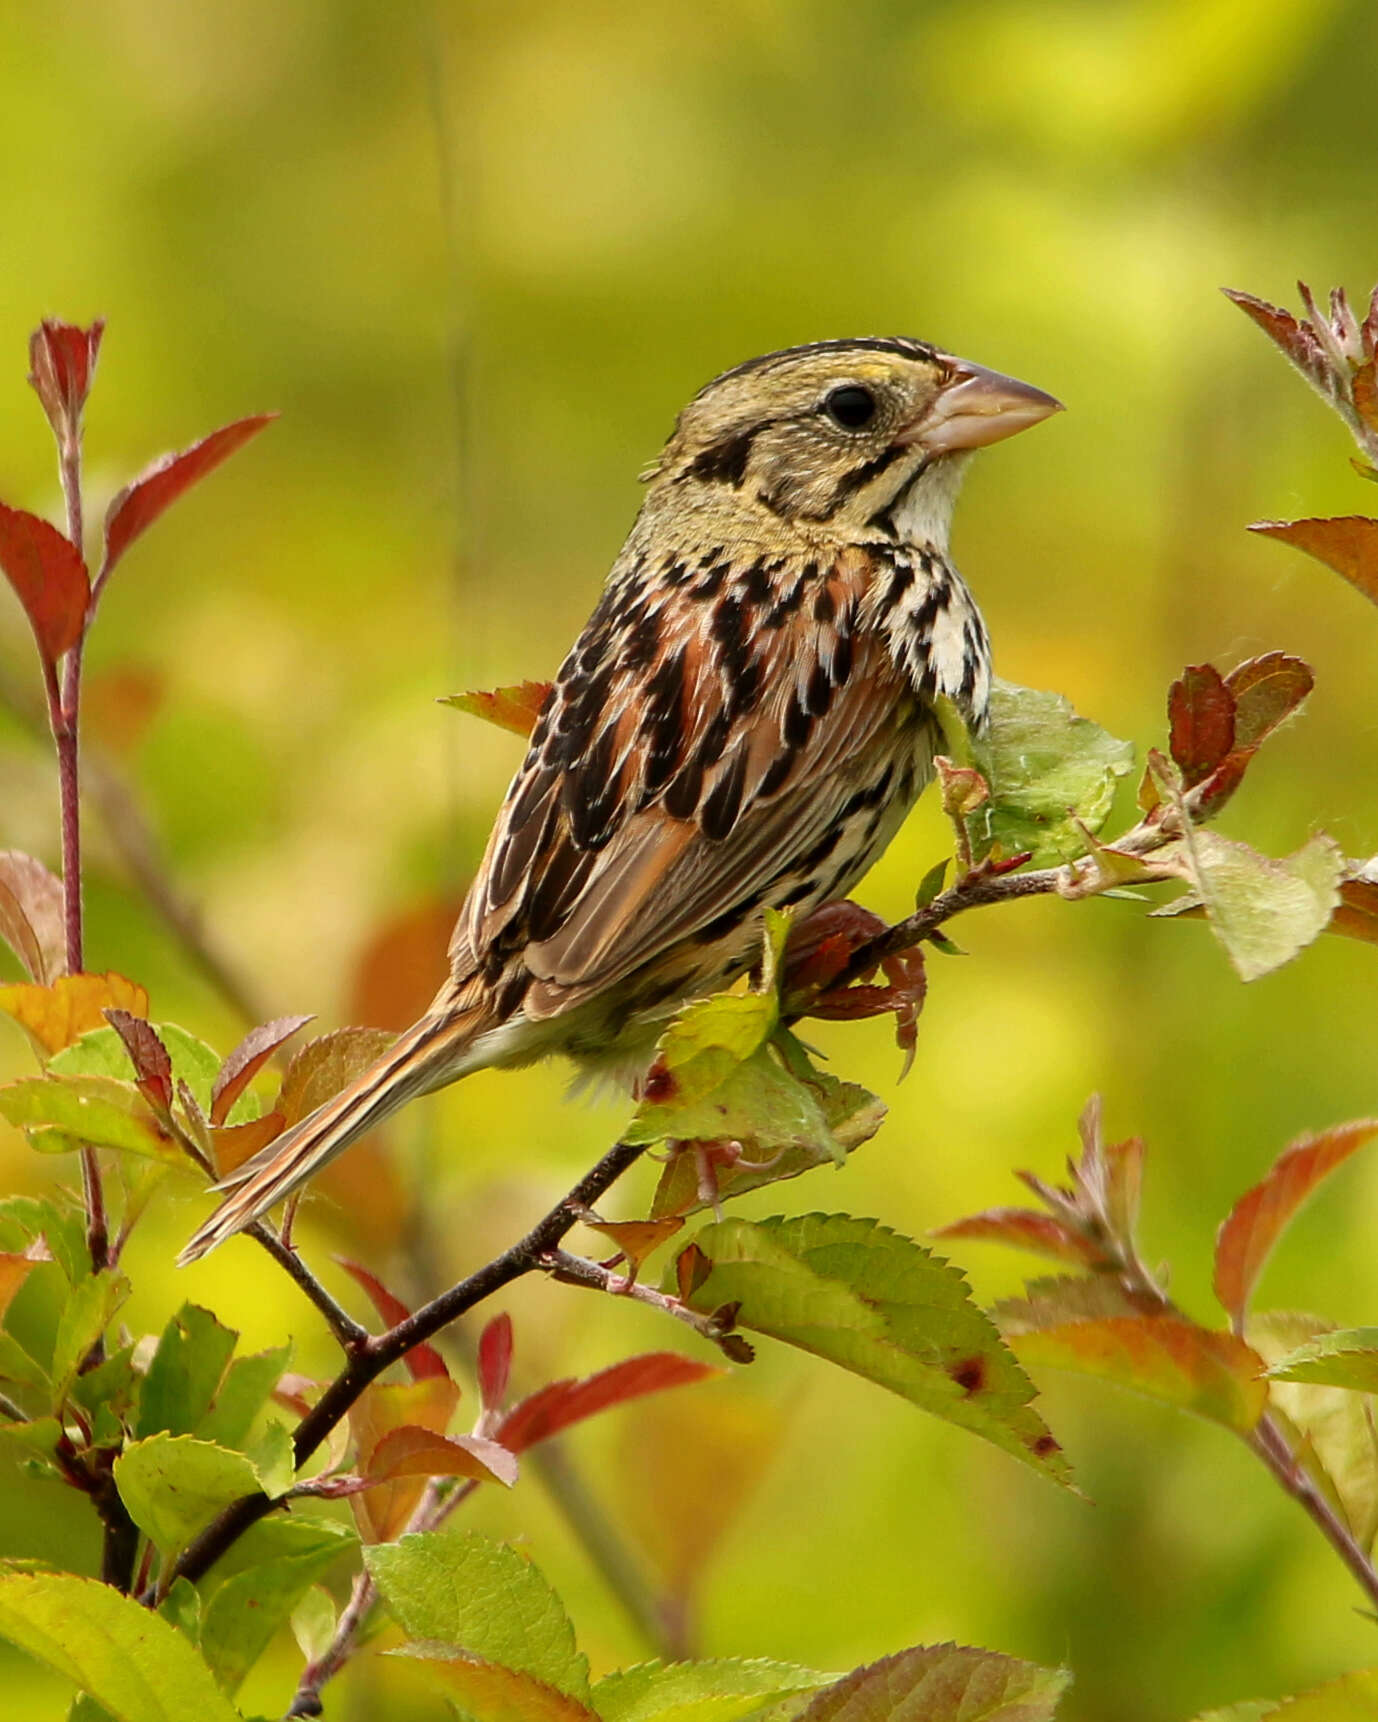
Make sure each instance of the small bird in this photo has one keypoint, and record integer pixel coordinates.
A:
(744, 722)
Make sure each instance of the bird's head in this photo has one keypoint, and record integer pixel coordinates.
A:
(853, 437)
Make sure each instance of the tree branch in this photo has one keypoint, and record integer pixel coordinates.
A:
(384, 1349)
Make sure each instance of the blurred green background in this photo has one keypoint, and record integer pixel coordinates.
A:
(479, 257)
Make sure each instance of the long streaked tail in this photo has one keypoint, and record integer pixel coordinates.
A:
(427, 1055)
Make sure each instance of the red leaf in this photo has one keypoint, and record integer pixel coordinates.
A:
(515, 708)
(562, 1403)
(1259, 1216)
(1298, 340)
(31, 910)
(62, 362)
(422, 1360)
(150, 1058)
(1201, 715)
(139, 504)
(495, 1361)
(1266, 690)
(247, 1059)
(1348, 544)
(1026, 1230)
(46, 570)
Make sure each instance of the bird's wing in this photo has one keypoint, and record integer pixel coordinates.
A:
(700, 743)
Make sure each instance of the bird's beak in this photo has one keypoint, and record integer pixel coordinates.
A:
(975, 407)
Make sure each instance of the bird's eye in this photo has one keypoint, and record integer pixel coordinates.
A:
(851, 406)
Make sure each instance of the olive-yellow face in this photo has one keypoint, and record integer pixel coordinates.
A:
(837, 432)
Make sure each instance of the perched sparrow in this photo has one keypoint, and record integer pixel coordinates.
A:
(744, 721)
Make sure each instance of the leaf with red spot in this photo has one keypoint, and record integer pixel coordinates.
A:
(495, 1361)
(139, 504)
(1348, 544)
(422, 1360)
(1201, 718)
(247, 1059)
(514, 708)
(1259, 1217)
(31, 915)
(561, 1403)
(150, 1058)
(49, 578)
(1026, 1229)
(62, 362)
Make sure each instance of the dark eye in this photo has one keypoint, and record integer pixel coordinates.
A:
(851, 406)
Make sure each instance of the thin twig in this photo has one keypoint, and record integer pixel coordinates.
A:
(383, 1349)
(580, 1271)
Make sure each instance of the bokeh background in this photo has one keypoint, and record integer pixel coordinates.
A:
(478, 257)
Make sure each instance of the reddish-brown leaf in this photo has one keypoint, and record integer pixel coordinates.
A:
(561, 1403)
(247, 1059)
(139, 504)
(1296, 339)
(1266, 691)
(1259, 1217)
(1201, 718)
(1025, 1229)
(381, 1408)
(31, 911)
(479, 1688)
(414, 1452)
(57, 1015)
(422, 1360)
(515, 708)
(321, 1068)
(495, 1361)
(1348, 544)
(62, 362)
(150, 1058)
(1197, 1369)
(49, 576)
(1357, 915)
(404, 962)
(233, 1144)
(1365, 386)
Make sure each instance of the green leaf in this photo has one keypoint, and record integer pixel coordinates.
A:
(242, 1617)
(89, 1310)
(943, 1683)
(38, 1435)
(111, 1388)
(1334, 1425)
(850, 1116)
(877, 1303)
(721, 1690)
(317, 1542)
(131, 1663)
(16, 1364)
(1252, 1710)
(1263, 911)
(758, 1104)
(62, 1112)
(272, 1456)
(1048, 769)
(485, 1598)
(1351, 1698)
(184, 1373)
(313, 1622)
(24, 1218)
(1346, 1358)
(242, 1395)
(174, 1485)
(181, 1607)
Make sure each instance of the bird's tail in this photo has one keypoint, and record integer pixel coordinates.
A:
(429, 1054)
